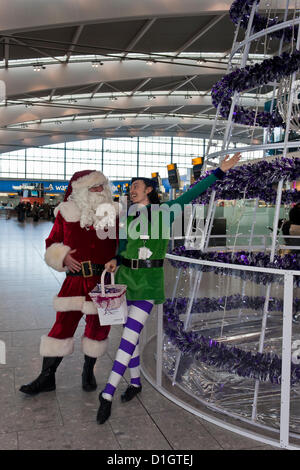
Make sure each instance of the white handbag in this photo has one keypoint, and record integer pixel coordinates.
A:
(110, 300)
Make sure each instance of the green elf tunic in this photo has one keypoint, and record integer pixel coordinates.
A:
(148, 283)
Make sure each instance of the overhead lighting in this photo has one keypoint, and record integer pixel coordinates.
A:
(96, 63)
(38, 67)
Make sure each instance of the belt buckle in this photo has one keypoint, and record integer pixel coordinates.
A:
(134, 264)
(86, 268)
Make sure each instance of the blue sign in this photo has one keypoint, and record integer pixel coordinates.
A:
(60, 186)
(13, 186)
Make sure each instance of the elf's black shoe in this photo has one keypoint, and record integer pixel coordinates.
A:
(130, 393)
(45, 382)
(89, 383)
(104, 410)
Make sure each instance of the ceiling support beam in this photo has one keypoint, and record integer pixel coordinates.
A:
(191, 129)
(96, 89)
(6, 52)
(35, 49)
(140, 85)
(74, 41)
(170, 127)
(52, 93)
(139, 35)
(174, 110)
(182, 84)
(143, 111)
(199, 34)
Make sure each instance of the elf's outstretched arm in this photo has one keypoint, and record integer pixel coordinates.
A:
(204, 184)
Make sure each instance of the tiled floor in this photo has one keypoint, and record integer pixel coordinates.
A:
(65, 419)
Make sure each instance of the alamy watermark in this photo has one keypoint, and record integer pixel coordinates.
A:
(2, 352)
(296, 352)
(154, 220)
(2, 91)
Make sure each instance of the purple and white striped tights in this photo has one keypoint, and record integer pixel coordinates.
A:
(128, 352)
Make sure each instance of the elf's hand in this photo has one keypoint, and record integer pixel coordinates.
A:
(111, 265)
(228, 163)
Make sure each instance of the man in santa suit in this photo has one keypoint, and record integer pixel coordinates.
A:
(75, 246)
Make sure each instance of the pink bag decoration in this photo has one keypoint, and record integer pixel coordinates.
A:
(110, 300)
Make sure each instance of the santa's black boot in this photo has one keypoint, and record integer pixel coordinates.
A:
(45, 382)
(89, 383)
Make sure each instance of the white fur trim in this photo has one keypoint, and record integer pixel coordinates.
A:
(95, 178)
(89, 308)
(53, 347)
(94, 348)
(55, 254)
(66, 304)
(69, 211)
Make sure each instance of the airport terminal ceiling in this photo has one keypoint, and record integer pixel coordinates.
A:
(83, 70)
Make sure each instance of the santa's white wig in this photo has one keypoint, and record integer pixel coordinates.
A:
(88, 202)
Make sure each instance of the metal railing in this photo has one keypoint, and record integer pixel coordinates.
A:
(283, 440)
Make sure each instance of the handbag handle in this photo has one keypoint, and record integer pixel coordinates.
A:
(112, 277)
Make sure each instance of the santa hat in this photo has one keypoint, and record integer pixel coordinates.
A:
(85, 179)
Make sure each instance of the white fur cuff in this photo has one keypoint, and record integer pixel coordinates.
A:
(53, 347)
(55, 254)
(94, 348)
(68, 304)
(89, 308)
(75, 303)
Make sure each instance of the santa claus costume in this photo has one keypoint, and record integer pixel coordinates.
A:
(76, 230)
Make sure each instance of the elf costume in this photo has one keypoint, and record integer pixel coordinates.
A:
(145, 287)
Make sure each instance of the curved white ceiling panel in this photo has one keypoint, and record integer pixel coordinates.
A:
(37, 14)
(20, 80)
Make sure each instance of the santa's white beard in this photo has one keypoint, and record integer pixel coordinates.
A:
(88, 202)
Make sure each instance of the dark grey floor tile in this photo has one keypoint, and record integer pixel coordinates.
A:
(83, 436)
(184, 431)
(138, 433)
(230, 440)
(9, 441)
(30, 413)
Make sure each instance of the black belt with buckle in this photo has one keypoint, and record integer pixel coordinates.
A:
(88, 269)
(142, 263)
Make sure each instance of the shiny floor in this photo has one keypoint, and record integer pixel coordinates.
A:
(66, 418)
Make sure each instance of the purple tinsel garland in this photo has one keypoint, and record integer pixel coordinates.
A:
(261, 366)
(231, 302)
(255, 181)
(249, 77)
(240, 11)
(289, 261)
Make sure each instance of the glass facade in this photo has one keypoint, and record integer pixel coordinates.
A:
(118, 158)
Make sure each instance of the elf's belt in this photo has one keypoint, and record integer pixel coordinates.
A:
(88, 269)
(142, 263)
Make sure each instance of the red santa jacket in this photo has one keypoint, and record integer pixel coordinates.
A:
(67, 235)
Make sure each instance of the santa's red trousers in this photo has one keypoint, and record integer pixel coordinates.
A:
(67, 321)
